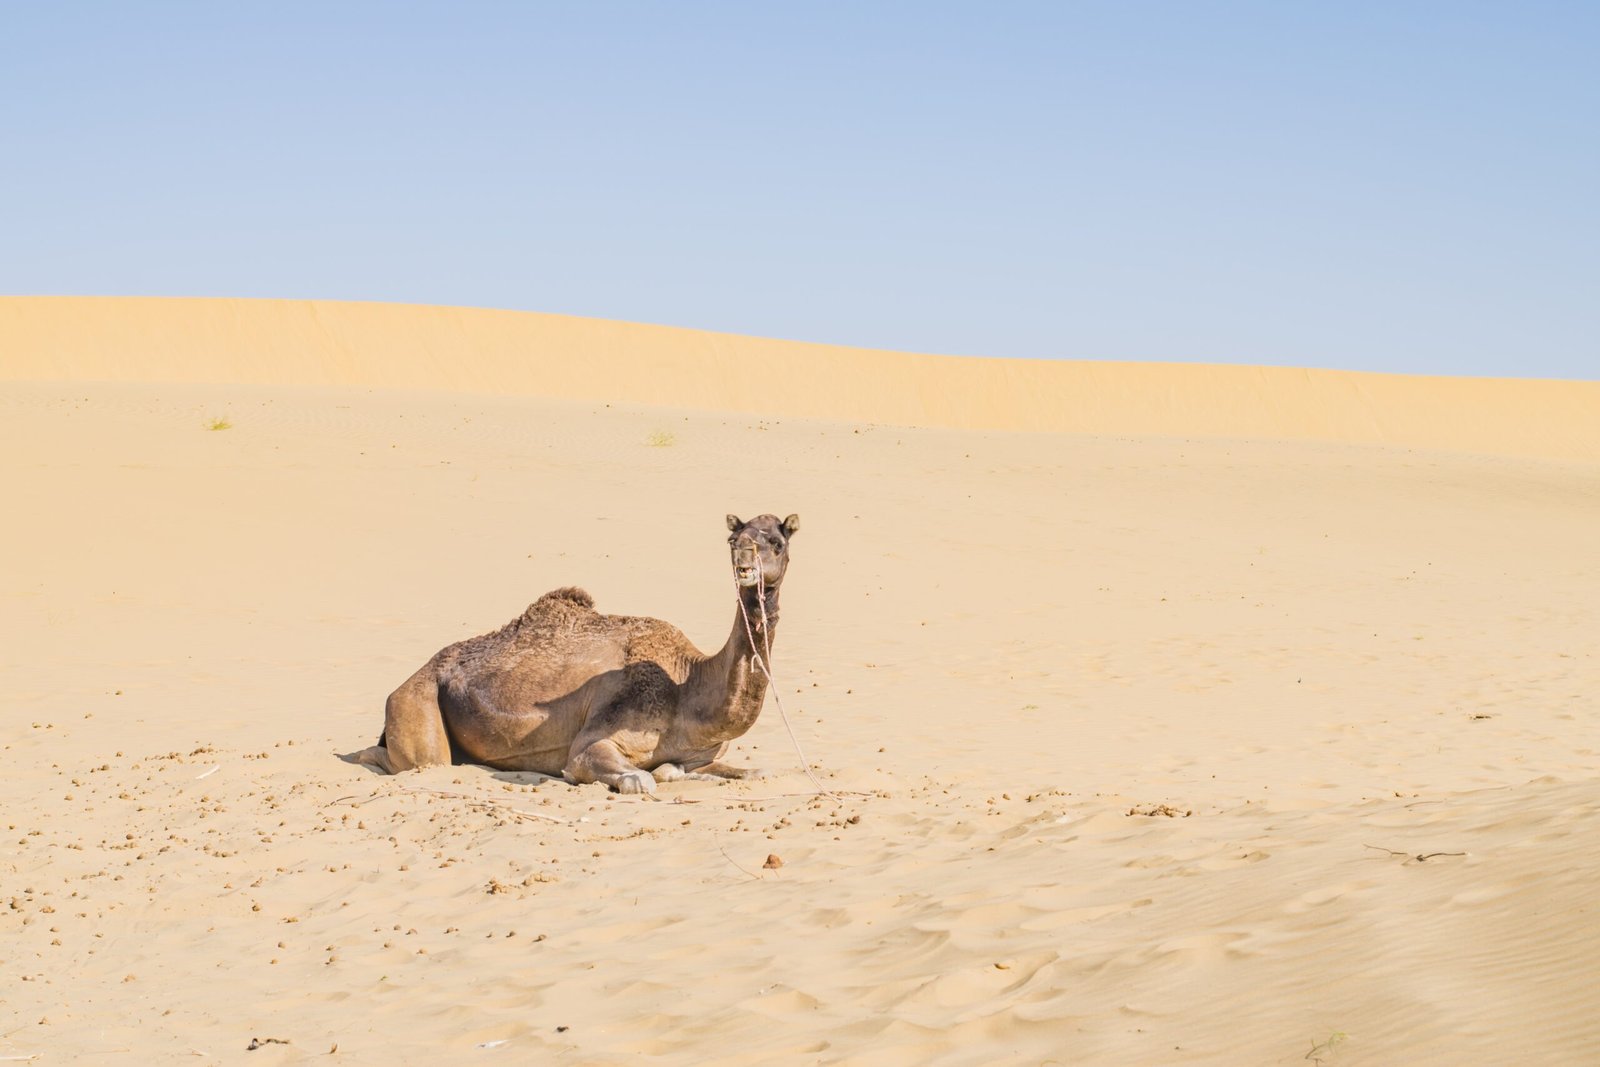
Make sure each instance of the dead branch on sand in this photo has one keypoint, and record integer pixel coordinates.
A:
(1420, 857)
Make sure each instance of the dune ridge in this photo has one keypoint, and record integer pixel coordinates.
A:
(333, 343)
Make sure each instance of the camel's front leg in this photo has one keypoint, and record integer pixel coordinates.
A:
(672, 772)
(688, 772)
(718, 769)
(603, 761)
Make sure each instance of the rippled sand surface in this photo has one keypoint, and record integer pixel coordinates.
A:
(1143, 747)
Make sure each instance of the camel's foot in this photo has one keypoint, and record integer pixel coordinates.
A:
(718, 769)
(602, 761)
(672, 772)
(376, 756)
(633, 782)
(625, 782)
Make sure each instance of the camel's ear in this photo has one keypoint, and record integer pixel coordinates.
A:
(790, 525)
(734, 522)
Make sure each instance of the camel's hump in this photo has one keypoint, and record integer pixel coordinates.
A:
(570, 595)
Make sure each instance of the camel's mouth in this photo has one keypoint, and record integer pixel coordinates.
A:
(746, 565)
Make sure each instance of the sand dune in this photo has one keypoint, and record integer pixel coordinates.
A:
(305, 342)
(1139, 729)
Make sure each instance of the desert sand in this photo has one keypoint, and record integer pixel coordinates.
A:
(1170, 714)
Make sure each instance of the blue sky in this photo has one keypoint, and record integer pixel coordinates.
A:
(1379, 186)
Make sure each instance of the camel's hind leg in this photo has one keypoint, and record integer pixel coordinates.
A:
(413, 728)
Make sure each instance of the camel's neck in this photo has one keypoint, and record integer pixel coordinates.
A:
(725, 691)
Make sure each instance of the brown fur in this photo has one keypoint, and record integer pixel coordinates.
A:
(563, 689)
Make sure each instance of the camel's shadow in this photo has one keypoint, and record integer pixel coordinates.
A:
(533, 778)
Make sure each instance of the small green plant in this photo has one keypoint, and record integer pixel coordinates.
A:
(1326, 1048)
(219, 423)
(661, 439)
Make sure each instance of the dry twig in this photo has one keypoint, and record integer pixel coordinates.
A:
(1420, 857)
(733, 861)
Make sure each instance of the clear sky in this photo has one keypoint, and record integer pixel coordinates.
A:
(1382, 186)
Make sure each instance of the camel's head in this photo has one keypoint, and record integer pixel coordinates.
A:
(760, 548)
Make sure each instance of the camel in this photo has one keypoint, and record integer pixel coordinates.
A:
(626, 701)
